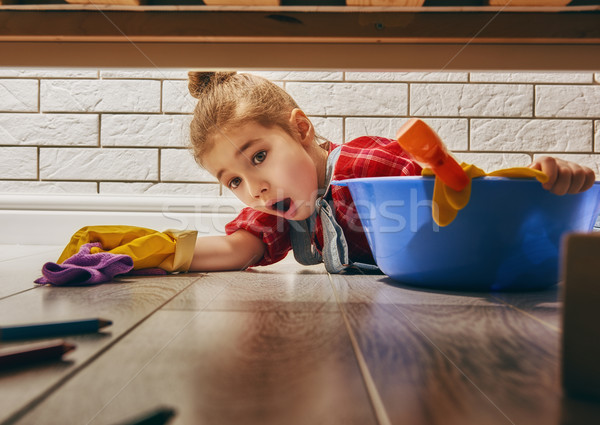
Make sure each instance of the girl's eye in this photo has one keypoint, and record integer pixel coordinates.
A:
(259, 157)
(234, 183)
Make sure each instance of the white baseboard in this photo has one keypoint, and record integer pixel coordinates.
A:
(51, 220)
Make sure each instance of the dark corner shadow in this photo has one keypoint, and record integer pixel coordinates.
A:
(579, 410)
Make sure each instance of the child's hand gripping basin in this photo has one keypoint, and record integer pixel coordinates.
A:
(507, 236)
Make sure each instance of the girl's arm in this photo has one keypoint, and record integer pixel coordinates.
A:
(232, 252)
(564, 176)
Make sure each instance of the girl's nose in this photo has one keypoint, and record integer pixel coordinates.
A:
(260, 189)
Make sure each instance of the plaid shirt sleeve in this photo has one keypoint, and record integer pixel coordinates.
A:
(371, 156)
(271, 229)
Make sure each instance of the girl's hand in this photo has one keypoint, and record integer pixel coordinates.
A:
(564, 176)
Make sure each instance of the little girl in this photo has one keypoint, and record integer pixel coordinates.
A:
(252, 136)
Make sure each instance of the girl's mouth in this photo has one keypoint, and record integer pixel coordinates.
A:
(281, 206)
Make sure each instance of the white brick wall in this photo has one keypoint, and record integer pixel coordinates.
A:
(49, 129)
(98, 164)
(19, 95)
(568, 101)
(125, 132)
(100, 96)
(18, 163)
(471, 100)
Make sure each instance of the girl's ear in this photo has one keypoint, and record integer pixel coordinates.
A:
(300, 122)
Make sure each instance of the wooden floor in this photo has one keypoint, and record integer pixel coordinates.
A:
(286, 344)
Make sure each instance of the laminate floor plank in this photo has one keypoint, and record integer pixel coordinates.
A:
(221, 367)
(416, 382)
(127, 302)
(285, 286)
(380, 289)
(19, 269)
(545, 306)
(462, 360)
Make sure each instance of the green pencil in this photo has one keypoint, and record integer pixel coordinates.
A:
(51, 329)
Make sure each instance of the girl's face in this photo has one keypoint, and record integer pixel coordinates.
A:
(268, 169)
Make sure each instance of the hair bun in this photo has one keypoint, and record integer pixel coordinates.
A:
(201, 81)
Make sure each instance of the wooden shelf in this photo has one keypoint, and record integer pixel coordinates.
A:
(294, 37)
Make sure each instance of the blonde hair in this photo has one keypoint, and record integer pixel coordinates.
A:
(229, 99)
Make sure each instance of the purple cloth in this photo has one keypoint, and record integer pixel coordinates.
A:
(84, 268)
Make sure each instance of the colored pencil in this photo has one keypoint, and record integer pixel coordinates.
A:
(51, 329)
(33, 353)
(159, 416)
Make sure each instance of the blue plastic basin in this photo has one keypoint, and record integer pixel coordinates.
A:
(507, 238)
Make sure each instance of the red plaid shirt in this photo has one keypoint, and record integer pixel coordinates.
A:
(363, 157)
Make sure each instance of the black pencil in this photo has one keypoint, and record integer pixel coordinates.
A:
(51, 329)
(33, 353)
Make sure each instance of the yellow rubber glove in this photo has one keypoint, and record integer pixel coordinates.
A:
(171, 250)
(447, 202)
